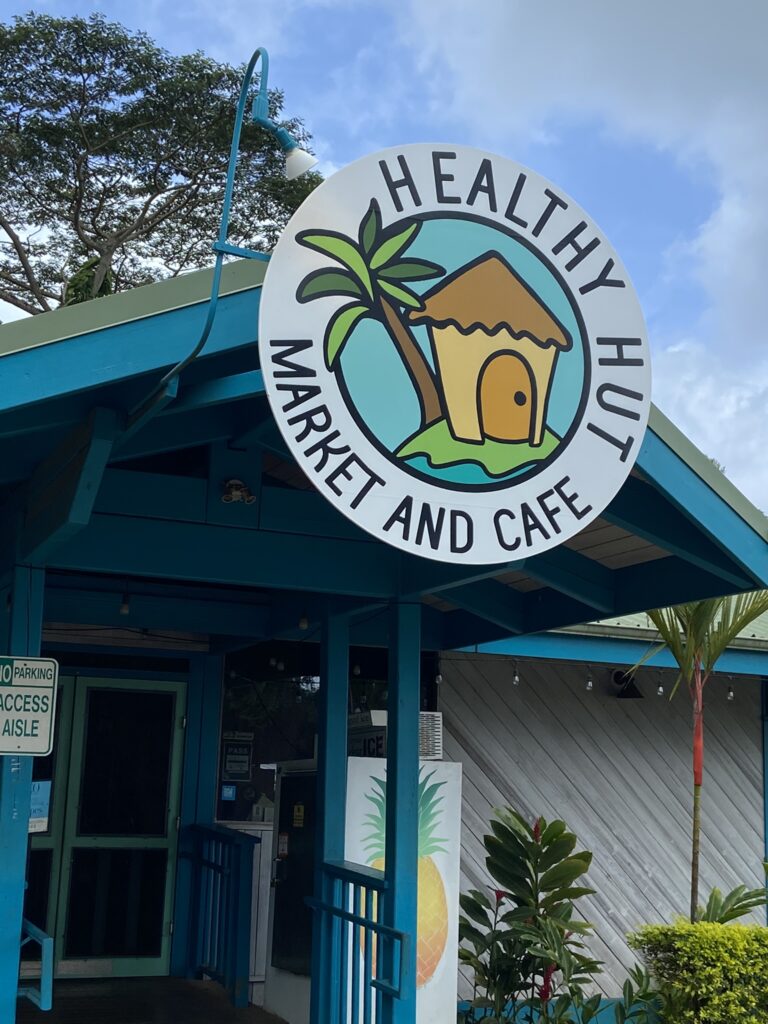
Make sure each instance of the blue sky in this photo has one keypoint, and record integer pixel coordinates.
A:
(653, 116)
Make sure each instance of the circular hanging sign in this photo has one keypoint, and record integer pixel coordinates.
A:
(454, 354)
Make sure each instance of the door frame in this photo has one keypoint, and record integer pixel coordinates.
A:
(62, 837)
(52, 838)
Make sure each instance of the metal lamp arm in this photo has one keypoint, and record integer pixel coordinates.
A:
(168, 384)
(220, 246)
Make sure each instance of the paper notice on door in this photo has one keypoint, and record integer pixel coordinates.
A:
(39, 807)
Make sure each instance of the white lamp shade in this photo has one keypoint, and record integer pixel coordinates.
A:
(298, 162)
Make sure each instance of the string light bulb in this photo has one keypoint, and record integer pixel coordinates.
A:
(731, 694)
(590, 685)
(516, 677)
(660, 690)
(303, 623)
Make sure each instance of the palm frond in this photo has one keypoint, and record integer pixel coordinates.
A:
(736, 614)
(702, 630)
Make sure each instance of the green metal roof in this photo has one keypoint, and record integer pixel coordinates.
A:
(639, 626)
(162, 297)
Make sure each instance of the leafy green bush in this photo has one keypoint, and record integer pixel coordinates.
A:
(708, 973)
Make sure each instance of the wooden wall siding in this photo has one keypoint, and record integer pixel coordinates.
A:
(618, 772)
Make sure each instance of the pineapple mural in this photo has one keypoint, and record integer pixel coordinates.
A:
(432, 921)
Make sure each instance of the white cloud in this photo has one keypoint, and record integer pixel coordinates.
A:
(223, 29)
(722, 408)
(689, 77)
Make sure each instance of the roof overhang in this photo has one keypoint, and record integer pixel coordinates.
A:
(92, 501)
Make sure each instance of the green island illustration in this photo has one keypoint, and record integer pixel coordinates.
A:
(494, 343)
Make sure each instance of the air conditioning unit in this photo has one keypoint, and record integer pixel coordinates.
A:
(368, 735)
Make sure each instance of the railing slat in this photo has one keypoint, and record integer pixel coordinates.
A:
(368, 958)
(345, 955)
(379, 961)
(219, 947)
(356, 933)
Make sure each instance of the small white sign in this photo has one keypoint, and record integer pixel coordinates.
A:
(27, 705)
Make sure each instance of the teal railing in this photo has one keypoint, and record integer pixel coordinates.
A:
(220, 920)
(364, 957)
(42, 994)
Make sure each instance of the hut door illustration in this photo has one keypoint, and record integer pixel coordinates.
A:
(506, 398)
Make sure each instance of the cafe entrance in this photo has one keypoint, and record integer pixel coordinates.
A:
(102, 858)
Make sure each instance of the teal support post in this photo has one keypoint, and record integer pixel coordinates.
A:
(22, 607)
(331, 813)
(402, 840)
(198, 796)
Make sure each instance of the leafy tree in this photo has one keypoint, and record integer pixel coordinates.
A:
(375, 277)
(696, 635)
(113, 156)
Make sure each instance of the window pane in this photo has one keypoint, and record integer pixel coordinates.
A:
(124, 789)
(116, 902)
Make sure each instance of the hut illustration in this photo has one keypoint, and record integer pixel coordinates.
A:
(496, 345)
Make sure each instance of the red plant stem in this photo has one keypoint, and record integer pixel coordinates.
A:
(697, 696)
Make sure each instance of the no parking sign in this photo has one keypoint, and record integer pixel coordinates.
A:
(27, 705)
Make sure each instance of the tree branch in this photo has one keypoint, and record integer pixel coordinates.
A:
(18, 245)
(77, 209)
(12, 299)
(14, 282)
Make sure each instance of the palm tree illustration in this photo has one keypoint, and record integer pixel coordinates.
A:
(374, 276)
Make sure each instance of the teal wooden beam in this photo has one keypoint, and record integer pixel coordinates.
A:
(152, 495)
(222, 616)
(139, 419)
(661, 583)
(420, 576)
(642, 511)
(20, 633)
(667, 582)
(148, 344)
(569, 572)
(175, 433)
(279, 509)
(599, 649)
(576, 576)
(60, 496)
(220, 390)
(266, 435)
(172, 550)
(492, 602)
(708, 512)
(293, 511)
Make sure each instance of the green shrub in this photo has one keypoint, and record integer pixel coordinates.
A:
(708, 973)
